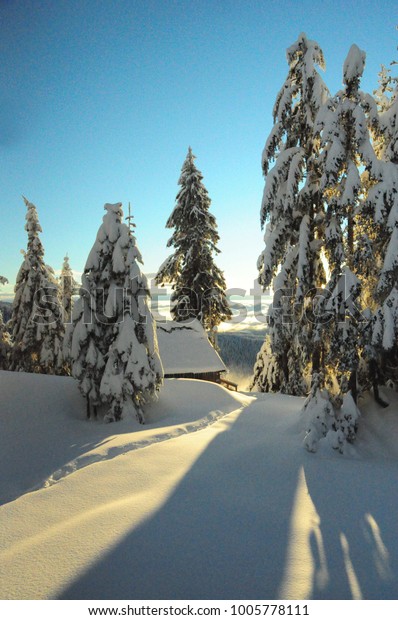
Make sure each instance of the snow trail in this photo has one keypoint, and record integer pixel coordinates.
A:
(139, 444)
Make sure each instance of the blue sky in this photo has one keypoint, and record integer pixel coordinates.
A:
(101, 99)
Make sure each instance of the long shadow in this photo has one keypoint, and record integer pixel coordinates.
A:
(222, 534)
(356, 547)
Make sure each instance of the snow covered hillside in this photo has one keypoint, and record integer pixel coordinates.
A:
(214, 498)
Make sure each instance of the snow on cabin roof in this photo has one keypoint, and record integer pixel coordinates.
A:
(185, 348)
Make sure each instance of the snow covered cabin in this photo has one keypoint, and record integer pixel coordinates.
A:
(186, 352)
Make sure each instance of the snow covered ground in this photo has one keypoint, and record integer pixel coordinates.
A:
(215, 498)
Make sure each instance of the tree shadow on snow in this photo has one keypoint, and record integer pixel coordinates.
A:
(222, 534)
(226, 532)
(355, 544)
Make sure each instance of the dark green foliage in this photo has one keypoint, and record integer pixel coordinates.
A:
(198, 284)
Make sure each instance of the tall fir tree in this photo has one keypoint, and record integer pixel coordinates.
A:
(199, 289)
(112, 340)
(35, 325)
(382, 206)
(350, 167)
(350, 171)
(292, 213)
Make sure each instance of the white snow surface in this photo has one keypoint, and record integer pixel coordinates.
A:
(214, 498)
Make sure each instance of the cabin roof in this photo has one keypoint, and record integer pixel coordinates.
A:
(185, 348)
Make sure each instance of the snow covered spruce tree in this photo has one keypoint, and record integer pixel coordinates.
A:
(292, 212)
(36, 326)
(5, 342)
(382, 206)
(112, 341)
(343, 321)
(67, 287)
(198, 284)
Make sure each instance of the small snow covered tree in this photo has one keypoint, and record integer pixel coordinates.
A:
(292, 212)
(198, 284)
(5, 342)
(266, 370)
(67, 288)
(112, 341)
(35, 324)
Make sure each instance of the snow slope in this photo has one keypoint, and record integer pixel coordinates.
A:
(214, 498)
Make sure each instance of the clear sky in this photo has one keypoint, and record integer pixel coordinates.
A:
(100, 100)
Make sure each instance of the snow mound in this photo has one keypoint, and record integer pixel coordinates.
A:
(47, 437)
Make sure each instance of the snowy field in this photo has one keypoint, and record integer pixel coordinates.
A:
(215, 498)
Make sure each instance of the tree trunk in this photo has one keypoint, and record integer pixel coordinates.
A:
(374, 373)
(352, 385)
(285, 367)
(316, 359)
